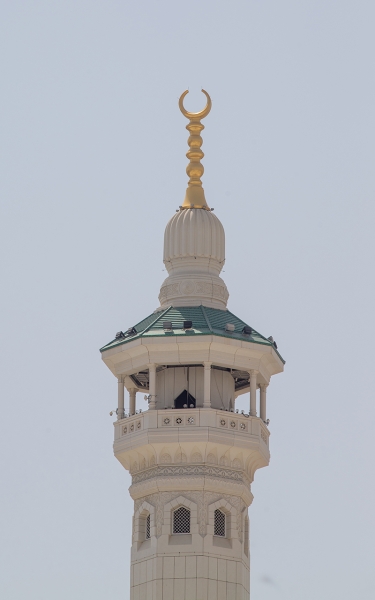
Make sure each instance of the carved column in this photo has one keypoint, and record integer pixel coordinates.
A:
(132, 393)
(120, 402)
(207, 385)
(263, 399)
(253, 393)
(152, 386)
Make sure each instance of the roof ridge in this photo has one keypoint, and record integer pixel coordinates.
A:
(157, 319)
(255, 331)
(205, 316)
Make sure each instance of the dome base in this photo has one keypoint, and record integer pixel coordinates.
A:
(193, 290)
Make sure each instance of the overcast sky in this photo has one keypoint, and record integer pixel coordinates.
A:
(92, 168)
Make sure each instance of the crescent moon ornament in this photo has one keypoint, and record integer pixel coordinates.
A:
(194, 197)
(195, 116)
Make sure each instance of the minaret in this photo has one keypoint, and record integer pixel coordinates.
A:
(192, 456)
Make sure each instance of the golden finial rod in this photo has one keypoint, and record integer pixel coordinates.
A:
(194, 197)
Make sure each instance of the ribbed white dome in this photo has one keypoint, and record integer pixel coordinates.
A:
(194, 255)
(194, 232)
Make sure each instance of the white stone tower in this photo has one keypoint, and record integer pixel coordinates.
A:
(192, 455)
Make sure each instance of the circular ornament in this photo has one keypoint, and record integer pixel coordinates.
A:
(233, 423)
(223, 422)
(138, 425)
(242, 425)
(124, 430)
(132, 427)
(167, 421)
(178, 420)
(187, 287)
(191, 420)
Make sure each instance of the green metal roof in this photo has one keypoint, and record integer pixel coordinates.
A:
(206, 321)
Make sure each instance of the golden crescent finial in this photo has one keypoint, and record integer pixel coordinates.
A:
(199, 115)
(194, 197)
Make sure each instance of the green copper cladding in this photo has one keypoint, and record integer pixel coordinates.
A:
(206, 321)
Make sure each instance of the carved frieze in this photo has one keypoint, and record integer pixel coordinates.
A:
(190, 470)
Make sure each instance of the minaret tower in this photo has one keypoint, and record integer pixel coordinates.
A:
(192, 456)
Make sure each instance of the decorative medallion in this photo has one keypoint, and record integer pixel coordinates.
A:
(167, 421)
(132, 427)
(242, 425)
(233, 423)
(187, 287)
(191, 420)
(223, 422)
(178, 420)
(138, 425)
(124, 430)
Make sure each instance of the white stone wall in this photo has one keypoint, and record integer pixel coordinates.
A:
(189, 577)
(196, 566)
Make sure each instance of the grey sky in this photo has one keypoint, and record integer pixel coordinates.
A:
(93, 166)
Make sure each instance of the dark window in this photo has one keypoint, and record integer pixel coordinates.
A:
(219, 526)
(246, 536)
(148, 527)
(181, 520)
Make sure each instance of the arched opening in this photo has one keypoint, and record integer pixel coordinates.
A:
(219, 523)
(185, 400)
(181, 520)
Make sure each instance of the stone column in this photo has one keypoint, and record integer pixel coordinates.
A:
(132, 393)
(207, 385)
(152, 386)
(253, 393)
(263, 399)
(120, 403)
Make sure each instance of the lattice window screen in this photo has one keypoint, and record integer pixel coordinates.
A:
(148, 527)
(181, 520)
(246, 536)
(219, 526)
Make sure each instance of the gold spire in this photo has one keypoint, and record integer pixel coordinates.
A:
(194, 197)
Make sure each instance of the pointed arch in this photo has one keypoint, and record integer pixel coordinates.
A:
(144, 523)
(171, 507)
